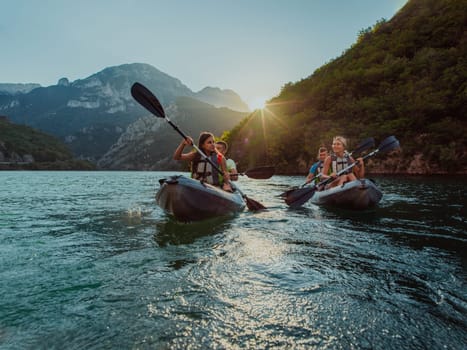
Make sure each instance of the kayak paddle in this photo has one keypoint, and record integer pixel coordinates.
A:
(362, 146)
(260, 173)
(298, 197)
(149, 101)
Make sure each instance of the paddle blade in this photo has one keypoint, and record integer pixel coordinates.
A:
(261, 173)
(296, 198)
(286, 193)
(147, 99)
(364, 145)
(389, 144)
(253, 205)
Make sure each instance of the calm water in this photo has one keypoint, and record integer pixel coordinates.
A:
(88, 261)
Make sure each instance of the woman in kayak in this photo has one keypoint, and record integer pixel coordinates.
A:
(201, 169)
(339, 160)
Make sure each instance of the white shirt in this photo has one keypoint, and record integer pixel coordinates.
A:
(230, 164)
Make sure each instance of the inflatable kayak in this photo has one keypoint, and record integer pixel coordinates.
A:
(191, 200)
(359, 194)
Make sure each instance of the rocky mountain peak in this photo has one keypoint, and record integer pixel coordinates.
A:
(63, 82)
(222, 98)
(91, 114)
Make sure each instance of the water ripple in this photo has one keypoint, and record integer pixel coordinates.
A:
(88, 260)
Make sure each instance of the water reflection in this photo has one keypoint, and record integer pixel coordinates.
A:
(99, 265)
(172, 232)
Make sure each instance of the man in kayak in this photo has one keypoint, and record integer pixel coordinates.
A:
(317, 168)
(339, 160)
(222, 147)
(201, 169)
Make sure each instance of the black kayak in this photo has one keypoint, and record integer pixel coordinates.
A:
(357, 195)
(187, 199)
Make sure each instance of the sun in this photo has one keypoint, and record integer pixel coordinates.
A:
(257, 102)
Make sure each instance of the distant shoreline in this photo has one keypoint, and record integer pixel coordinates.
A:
(58, 165)
(6, 166)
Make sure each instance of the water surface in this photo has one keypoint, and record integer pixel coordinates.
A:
(88, 261)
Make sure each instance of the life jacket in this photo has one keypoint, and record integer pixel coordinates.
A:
(319, 168)
(338, 163)
(203, 170)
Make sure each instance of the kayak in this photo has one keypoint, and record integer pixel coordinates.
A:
(187, 199)
(358, 195)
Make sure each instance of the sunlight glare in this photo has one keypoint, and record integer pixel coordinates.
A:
(257, 102)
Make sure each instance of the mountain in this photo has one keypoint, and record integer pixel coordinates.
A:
(22, 147)
(405, 77)
(149, 142)
(91, 114)
(222, 98)
(17, 88)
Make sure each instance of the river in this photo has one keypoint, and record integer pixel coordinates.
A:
(88, 261)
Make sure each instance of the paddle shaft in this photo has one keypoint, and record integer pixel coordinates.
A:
(209, 160)
(262, 172)
(149, 101)
(343, 171)
(364, 145)
(203, 155)
(371, 154)
(296, 198)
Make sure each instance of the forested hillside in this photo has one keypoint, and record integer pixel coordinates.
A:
(406, 76)
(22, 147)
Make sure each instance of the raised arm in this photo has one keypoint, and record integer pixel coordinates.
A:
(178, 155)
(359, 169)
(326, 167)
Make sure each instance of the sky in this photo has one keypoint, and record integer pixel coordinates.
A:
(253, 47)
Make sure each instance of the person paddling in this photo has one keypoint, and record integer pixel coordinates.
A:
(200, 168)
(317, 168)
(339, 160)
